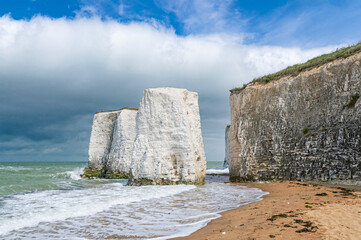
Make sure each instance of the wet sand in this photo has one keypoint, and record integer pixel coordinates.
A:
(291, 210)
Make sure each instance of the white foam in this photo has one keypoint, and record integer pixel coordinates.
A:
(15, 169)
(29, 210)
(116, 211)
(218, 171)
(75, 174)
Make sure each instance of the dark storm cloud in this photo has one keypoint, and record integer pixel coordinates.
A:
(55, 73)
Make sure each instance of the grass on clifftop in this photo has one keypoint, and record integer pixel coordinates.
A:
(298, 68)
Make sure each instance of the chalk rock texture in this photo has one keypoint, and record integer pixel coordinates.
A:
(111, 140)
(226, 154)
(168, 148)
(101, 138)
(119, 156)
(304, 127)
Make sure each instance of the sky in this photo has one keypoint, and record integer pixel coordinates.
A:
(63, 60)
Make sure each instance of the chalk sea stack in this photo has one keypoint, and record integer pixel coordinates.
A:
(168, 148)
(119, 156)
(111, 143)
(161, 143)
(300, 126)
(101, 138)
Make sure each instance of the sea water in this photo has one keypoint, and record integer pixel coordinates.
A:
(49, 200)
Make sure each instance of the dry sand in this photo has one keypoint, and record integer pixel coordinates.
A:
(292, 210)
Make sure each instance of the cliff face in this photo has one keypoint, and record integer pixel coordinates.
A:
(302, 127)
(159, 144)
(111, 141)
(119, 157)
(101, 138)
(168, 147)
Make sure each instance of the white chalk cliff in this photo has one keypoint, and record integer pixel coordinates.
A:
(168, 148)
(111, 140)
(119, 157)
(160, 144)
(101, 138)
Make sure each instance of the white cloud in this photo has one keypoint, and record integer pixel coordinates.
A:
(54, 69)
(205, 15)
(86, 11)
(121, 10)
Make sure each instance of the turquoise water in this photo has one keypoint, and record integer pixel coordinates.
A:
(20, 177)
(49, 200)
(211, 165)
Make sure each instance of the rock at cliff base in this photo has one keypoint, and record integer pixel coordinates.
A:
(168, 148)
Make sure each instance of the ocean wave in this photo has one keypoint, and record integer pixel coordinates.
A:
(15, 169)
(117, 211)
(28, 210)
(73, 174)
(218, 171)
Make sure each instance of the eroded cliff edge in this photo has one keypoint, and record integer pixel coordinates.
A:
(304, 127)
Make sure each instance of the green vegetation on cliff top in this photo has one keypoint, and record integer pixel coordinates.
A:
(298, 68)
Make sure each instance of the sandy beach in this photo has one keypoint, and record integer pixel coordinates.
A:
(291, 210)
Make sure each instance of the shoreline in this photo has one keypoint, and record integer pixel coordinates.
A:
(292, 209)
